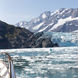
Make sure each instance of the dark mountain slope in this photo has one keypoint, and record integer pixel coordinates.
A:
(16, 37)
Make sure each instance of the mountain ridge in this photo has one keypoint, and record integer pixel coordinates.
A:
(53, 21)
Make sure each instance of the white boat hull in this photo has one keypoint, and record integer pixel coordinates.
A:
(4, 72)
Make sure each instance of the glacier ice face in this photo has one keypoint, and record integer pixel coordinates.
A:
(63, 39)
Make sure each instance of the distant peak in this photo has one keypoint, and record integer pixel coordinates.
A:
(45, 14)
(53, 21)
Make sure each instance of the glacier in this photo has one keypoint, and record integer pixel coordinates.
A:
(63, 39)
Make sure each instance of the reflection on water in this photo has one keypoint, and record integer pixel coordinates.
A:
(52, 63)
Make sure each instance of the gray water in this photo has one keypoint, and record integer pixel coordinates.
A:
(46, 63)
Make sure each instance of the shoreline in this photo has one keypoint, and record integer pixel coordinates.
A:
(35, 49)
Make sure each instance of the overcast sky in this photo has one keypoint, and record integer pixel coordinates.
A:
(13, 11)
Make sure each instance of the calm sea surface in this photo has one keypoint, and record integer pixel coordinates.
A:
(46, 63)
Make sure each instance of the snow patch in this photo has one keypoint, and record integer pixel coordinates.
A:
(45, 27)
(51, 24)
(75, 31)
(44, 16)
(38, 26)
(57, 11)
(62, 21)
(36, 20)
(64, 11)
(42, 29)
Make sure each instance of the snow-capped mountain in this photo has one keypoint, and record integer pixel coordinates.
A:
(62, 20)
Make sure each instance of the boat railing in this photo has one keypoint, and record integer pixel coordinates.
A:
(7, 63)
